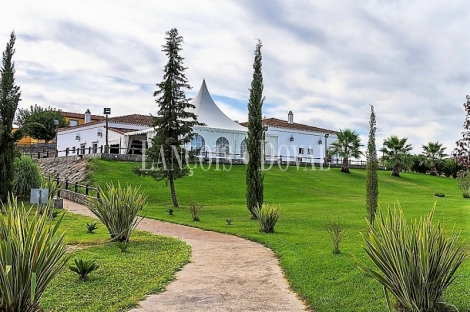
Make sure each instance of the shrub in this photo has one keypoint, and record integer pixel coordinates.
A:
(32, 253)
(337, 234)
(229, 221)
(194, 209)
(463, 182)
(51, 185)
(91, 227)
(415, 263)
(267, 216)
(122, 246)
(26, 176)
(170, 211)
(83, 268)
(117, 208)
(439, 195)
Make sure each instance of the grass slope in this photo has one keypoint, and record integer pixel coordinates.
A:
(122, 279)
(309, 198)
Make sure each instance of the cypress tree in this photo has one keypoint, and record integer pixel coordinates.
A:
(10, 96)
(372, 181)
(254, 178)
(173, 124)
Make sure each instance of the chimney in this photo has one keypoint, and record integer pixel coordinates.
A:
(87, 116)
(290, 117)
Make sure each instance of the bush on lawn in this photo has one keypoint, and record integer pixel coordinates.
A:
(117, 208)
(26, 176)
(267, 216)
(414, 262)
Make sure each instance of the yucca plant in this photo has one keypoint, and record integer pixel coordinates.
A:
(32, 253)
(267, 215)
(414, 262)
(117, 208)
(337, 234)
(194, 210)
(91, 227)
(122, 246)
(83, 268)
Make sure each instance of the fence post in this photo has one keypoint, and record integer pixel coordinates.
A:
(66, 184)
(76, 187)
(86, 189)
(101, 149)
(39, 155)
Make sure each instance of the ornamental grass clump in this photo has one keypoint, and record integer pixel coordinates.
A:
(83, 268)
(32, 253)
(414, 262)
(117, 209)
(267, 215)
(337, 234)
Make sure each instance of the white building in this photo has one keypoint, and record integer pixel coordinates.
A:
(220, 137)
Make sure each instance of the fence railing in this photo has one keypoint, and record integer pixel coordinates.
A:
(77, 187)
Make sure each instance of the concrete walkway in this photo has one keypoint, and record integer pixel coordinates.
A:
(226, 273)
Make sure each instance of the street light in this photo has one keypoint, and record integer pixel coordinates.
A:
(106, 112)
(326, 147)
(265, 128)
(56, 124)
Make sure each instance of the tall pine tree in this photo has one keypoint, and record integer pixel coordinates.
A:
(9, 98)
(372, 180)
(173, 124)
(254, 177)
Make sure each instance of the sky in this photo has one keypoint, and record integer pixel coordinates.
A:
(326, 61)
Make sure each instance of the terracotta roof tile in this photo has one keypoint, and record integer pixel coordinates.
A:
(278, 123)
(81, 116)
(134, 119)
(121, 130)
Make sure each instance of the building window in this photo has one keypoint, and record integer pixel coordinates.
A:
(73, 122)
(82, 149)
(310, 151)
(243, 148)
(222, 146)
(301, 150)
(95, 147)
(198, 142)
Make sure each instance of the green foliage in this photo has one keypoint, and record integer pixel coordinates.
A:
(461, 154)
(122, 245)
(83, 268)
(372, 179)
(173, 123)
(463, 182)
(10, 96)
(194, 209)
(91, 227)
(38, 122)
(337, 234)
(414, 262)
(117, 208)
(170, 211)
(51, 185)
(396, 154)
(32, 253)
(346, 146)
(229, 221)
(27, 176)
(434, 154)
(442, 195)
(267, 216)
(254, 177)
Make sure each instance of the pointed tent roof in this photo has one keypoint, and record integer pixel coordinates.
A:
(208, 112)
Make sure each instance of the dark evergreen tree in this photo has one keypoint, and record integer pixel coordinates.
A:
(174, 123)
(372, 180)
(10, 96)
(254, 177)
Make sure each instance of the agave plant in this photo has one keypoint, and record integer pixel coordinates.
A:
(117, 209)
(414, 262)
(83, 268)
(267, 216)
(32, 253)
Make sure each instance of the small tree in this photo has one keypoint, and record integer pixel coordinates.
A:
(10, 96)
(38, 122)
(397, 153)
(346, 146)
(461, 153)
(434, 153)
(174, 123)
(254, 177)
(372, 180)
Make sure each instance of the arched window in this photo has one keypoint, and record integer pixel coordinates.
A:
(198, 142)
(243, 148)
(222, 146)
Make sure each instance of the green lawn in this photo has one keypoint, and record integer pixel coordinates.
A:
(122, 279)
(310, 199)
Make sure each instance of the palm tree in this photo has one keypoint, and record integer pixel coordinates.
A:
(397, 153)
(434, 153)
(346, 146)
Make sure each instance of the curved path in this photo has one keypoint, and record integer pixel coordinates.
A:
(226, 273)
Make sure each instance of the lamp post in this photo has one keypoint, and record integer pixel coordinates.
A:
(326, 147)
(106, 112)
(56, 124)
